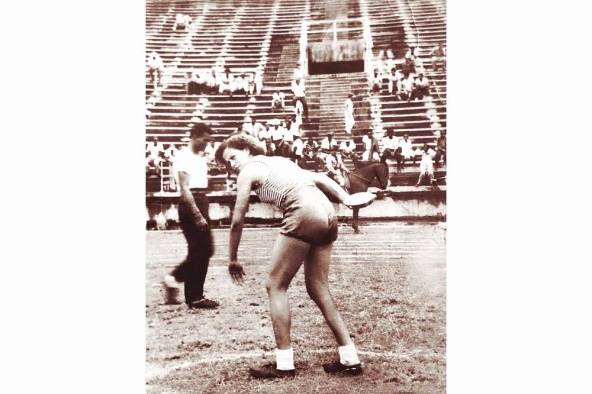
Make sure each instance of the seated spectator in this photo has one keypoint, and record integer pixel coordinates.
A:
(170, 153)
(256, 128)
(349, 113)
(421, 87)
(328, 143)
(438, 57)
(426, 166)
(155, 68)
(210, 80)
(264, 134)
(269, 147)
(226, 82)
(247, 126)
(182, 22)
(371, 151)
(277, 135)
(440, 148)
(409, 61)
(299, 91)
(407, 86)
(277, 101)
(376, 83)
(334, 166)
(310, 147)
(407, 149)
(391, 149)
(193, 83)
(347, 147)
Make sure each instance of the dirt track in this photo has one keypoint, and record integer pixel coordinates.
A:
(388, 283)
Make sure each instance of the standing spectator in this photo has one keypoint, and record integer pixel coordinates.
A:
(155, 68)
(440, 148)
(258, 81)
(407, 149)
(328, 143)
(191, 169)
(294, 127)
(426, 166)
(438, 57)
(298, 150)
(277, 101)
(298, 89)
(250, 84)
(421, 87)
(182, 22)
(349, 113)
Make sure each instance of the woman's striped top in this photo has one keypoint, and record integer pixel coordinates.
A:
(284, 177)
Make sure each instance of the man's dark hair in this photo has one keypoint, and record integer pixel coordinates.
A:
(200, 130)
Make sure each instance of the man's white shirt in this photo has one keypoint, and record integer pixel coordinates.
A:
(194, 164)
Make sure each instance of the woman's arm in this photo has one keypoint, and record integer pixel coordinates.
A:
(329, 187)
(243, 192)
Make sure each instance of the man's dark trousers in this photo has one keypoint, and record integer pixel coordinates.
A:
(200, 247)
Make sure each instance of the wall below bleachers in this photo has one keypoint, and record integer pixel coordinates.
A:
(399, 203)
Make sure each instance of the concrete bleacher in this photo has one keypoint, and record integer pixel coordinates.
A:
(263, 33)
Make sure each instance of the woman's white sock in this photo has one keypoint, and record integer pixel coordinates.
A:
(348, 355)
(284, 359)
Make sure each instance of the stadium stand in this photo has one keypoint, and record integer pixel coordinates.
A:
(265, 35)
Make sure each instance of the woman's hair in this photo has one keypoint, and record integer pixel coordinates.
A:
(240, 141)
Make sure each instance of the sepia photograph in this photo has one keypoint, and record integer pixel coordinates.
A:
(295, 196)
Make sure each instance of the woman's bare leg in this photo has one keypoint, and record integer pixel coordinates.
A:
(286, 258)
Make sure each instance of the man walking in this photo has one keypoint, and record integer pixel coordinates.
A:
(191, 171)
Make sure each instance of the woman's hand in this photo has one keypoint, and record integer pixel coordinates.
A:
(236, 272)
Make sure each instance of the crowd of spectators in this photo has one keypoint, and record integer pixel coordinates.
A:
(218, 80)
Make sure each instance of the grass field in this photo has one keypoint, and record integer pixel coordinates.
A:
(388, 283)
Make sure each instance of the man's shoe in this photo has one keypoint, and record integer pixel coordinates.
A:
(269, 371)
(338, 368)
(203, 303)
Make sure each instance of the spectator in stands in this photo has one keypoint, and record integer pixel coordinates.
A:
(182, 22)
(371, 148)
(264, 134)
(440, 148)
(392, 150)
(407, 85)
(155, 68)
(258, 81)
(226, 82)
(277, 101)
(349, 113)
(407, 149)
(294, 126)
(421, 87)
(250, 84)
(395, 86)
(426, 166)
(277, 136)
(298, 150)
(438, 57)
(238, 84)
(299, 91)
(376, 83)
(210, 80)
(310, 147)
(193, 83)
(347, 147)
(409, 61)
(328, 143)
(170, 153)
(209, 151)
(334, 166)
(247, 126)
(257, 128)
